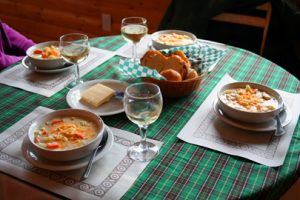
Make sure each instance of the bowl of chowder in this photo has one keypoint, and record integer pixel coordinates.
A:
(249, 102)
(66, 135)
(45, 55)
(172, 38)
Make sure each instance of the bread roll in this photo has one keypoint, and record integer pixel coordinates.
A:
(157, 61)
(183, 56)
(171, 75)
(192, 73)
(154, 60)
(176, 63)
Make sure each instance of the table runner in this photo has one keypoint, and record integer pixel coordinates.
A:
(181, 170)
(49, 84)
(207, 130)
(110, 178)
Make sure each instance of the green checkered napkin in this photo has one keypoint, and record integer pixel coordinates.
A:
(201, 58)
(134, 70)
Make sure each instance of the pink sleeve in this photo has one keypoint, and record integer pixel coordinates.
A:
(17, 41)
(6, 60)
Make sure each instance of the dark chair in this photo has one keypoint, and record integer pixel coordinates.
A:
(250, 20)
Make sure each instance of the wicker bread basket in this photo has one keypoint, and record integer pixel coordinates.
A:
(173, 89)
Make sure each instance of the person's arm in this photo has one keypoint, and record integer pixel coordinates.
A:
(17, 42)
(6, 60)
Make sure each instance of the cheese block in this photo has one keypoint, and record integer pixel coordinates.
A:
(97, 95)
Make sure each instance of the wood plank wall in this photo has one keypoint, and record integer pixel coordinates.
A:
(48, 19)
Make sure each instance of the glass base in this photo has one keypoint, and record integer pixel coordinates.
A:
(142, 152)
(72, 83)
(136, 60)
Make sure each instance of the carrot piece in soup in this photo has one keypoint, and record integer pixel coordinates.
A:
(37, 51)
(36, 139)
(79, 135)
(55, 53)
(52, 145)
(44, 55)
(57, 121)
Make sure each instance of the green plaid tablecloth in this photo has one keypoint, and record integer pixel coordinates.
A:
(182, 170)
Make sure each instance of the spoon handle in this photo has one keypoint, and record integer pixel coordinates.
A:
(88, 168)
(279, 128)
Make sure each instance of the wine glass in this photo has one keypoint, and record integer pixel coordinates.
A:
(74, 48)
(134, 29)
(143, 105)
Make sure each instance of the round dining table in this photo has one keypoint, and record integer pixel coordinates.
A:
(182, 170)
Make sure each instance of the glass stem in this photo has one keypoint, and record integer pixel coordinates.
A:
(143, 133)
(76, 72)
(134, 52)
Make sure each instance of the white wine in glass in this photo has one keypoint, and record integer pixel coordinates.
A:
(74, 48)
(133, 30)
(143, 105)
(74, 53)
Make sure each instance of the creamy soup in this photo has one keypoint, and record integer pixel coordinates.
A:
(249, 99)
(48, 52)
(174, 39)
(65, 133)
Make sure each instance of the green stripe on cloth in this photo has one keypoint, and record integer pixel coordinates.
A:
(111, 43)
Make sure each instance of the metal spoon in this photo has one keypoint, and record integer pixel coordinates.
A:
(279, 128)
(88, 168)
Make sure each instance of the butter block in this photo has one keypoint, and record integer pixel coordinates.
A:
(97, 95)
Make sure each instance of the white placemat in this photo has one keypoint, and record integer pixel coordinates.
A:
(110, 178)
(207, 130)
(49, 84)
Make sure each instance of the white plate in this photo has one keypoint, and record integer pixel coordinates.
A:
(43, 163)
(285, 117)
(27, 65)
(114, 106)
